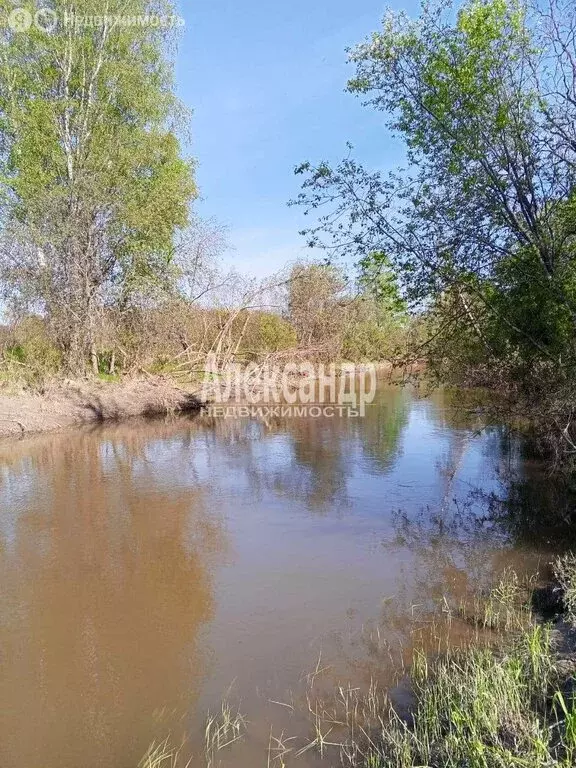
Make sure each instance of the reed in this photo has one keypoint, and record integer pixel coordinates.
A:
(222, 730)
(498, 702)
(502, 701)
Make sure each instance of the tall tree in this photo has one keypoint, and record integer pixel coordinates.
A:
(94, 184)
(315, 304)
(481, 224)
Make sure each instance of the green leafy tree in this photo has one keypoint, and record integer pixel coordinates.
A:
(94, 185)
(480, 227)
(379, 280)
(316, 304)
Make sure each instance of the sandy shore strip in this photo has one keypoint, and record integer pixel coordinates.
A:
(76, 403)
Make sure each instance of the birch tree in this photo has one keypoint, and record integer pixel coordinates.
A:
(94, 184)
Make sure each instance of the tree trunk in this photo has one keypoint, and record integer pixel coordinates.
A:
(75, 351)
(94, 359)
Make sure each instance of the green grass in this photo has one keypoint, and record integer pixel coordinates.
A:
(222, 730)
(565, 568)
(498, 702)
(478, 709)
(109, 378)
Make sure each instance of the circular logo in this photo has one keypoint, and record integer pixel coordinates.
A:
(46, 19)
(20, 20)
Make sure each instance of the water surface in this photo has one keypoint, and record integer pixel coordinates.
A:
(147, 568)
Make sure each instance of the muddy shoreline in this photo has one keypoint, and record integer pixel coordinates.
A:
(73, 404)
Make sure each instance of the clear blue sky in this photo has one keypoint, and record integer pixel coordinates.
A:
(266, 82)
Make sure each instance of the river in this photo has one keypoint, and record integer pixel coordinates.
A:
(149, 569)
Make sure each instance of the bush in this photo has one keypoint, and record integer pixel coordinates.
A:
(267, 332)
(29, 355)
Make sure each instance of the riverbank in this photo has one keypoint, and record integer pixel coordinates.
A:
(62, 404)
(506, 698)
(71, 404)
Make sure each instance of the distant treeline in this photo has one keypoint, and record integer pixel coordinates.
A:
(318, 315)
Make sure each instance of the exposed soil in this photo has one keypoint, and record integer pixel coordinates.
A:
(75, 403)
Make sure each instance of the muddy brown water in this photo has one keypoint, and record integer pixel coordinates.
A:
(151, 568)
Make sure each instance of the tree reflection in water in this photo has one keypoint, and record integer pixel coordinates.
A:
(106, 584)
(145, 566)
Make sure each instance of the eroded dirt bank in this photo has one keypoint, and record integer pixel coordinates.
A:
(75, 403)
